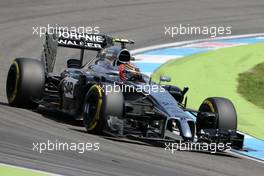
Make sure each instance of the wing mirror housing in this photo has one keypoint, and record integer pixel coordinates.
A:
(132, 58)
(164, 79)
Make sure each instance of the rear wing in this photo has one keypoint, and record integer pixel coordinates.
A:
(72, 39)
(83, 41)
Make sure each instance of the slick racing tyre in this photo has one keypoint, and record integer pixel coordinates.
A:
(226, 116)
(98, 106)
(25, 82)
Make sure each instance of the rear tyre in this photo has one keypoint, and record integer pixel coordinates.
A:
(98, 106)
(226, 116)
(25, 83)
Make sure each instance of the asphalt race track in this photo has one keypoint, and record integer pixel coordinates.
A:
(141, 20)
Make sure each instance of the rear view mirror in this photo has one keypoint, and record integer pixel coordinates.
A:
(132, 58)
(165, 79)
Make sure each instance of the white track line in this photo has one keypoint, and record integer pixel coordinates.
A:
(167, 45)
(154, 58)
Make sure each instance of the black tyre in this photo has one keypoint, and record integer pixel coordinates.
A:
(226, 116)
(25, 82)
(98, 106)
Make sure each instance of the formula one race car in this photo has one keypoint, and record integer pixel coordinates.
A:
(112, 96)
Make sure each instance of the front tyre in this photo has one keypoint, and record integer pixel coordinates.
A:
(25, 82)
(226, 116)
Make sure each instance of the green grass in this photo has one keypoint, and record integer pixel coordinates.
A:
(251, 85)
(216, 73)
(15, 171)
